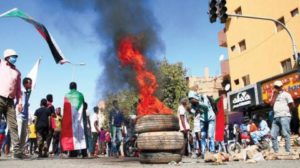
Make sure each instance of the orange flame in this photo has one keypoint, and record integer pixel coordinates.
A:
(148, 104)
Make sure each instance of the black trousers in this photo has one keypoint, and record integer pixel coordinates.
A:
(33, 144)
(56, 142)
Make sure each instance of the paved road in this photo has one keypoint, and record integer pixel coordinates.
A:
(134, 163)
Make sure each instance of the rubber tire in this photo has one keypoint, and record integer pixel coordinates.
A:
(159, 157)
(153, 123)
(160, 141)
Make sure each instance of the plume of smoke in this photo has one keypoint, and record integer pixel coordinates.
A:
(117, 19)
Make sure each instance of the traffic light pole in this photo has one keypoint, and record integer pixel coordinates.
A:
(276, 21)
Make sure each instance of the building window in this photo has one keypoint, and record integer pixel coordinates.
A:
(238, 11)
(286, 65)
(246, 80)
(237, 81)
(233, 48)
(242, 45)
(279, 26)
(295, 12)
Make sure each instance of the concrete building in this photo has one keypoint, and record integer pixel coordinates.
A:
(259, 49)
(261, 52)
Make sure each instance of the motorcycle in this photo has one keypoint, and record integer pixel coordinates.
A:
(130, 146)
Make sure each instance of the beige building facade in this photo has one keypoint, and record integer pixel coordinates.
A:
(259, 49)
(207, 84)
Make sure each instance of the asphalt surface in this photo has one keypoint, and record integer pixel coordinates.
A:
(104, 162)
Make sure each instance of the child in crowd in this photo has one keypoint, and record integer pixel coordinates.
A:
(2, 131)
(108, 144)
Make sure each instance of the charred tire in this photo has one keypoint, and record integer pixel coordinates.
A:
(159, 157)
(152, 123)
(160, 141)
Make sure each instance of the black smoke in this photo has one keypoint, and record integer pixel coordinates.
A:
(117, 19)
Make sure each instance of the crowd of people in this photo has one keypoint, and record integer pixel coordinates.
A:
(51, 131)
(197, 120)
(72, 133)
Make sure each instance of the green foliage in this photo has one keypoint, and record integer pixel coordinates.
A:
(127, 103)
(173, 85)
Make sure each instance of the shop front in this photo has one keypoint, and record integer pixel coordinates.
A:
(291, 84)
(241, 101)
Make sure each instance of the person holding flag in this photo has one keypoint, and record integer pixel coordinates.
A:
(72, 129)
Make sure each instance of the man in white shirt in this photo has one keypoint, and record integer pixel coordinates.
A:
(283, 104)
(95, 130)
(183, 122)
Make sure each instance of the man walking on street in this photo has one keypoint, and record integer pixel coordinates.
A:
(72, 129)
(182, 115)
(283, 104)
(23, 117)
(10, 89)
(116, 120)
(42, 123)
(50, 106)
(56, 125)
(95, 130)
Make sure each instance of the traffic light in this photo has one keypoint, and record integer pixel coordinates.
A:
(222, 11)
(212, 11)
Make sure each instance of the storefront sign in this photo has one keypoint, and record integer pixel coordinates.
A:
(291, 84)
(243, 98)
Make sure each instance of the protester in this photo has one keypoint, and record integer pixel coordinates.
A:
(72, 131)
(283, 104)
(50, 106)
(56, 126)
(108, 144)
(10, 89)
(7, 143)
(95, 130)
(183, 123)
(23, 116)
(207, 124)
(42, 124)
(102, 144)
(32, 137)
(195, 110)
(2, 131)
(87, 130)
(116, 120)
(261, 132)
(252, 126)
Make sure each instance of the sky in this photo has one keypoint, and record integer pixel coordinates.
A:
(186, 33)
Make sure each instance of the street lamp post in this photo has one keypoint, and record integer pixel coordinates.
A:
(73, 68)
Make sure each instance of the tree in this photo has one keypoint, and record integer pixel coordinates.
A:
(127, 102)
(172, 83)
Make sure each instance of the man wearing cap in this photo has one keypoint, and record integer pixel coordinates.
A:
(283, 104)
(10, 89)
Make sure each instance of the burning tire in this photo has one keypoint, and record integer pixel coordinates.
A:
(159, 157)
(152, 123)
(160, 141)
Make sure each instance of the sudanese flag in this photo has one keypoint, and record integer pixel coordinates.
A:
(72, 132)
(55, 50)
